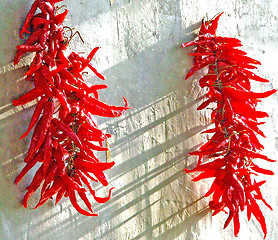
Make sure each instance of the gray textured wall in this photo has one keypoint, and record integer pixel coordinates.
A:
(142, 60)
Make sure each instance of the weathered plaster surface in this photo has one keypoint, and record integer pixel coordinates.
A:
(142, 60)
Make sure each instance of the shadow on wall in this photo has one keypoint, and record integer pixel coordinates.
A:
(154, 198)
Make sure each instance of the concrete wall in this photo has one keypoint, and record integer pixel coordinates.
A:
(142, 60)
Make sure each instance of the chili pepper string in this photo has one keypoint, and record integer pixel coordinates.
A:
(234, 144)
(65, 134)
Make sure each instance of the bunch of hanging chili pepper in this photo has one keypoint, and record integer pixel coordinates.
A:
(65, 134)
(234, 145)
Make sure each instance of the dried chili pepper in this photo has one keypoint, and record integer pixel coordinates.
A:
(234, 144)
(65, 135)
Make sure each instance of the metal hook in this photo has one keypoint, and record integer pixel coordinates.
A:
(58, 8)
(77, 32)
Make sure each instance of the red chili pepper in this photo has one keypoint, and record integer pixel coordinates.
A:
(216, 164)
(86, 62)
(103, 199)
(238, 59)
(219, 207)
(251, 188)
(203, 63)
(261, 170)
(237, 188)
(228, 113)
(213, 188)
(96, 72)
(236, 224)
(205, 103)
(50, 177)
(246, 109)
(243, 151)
(101, 177)
(84, 155)
(64, 59)
(208, 174)
(95, 147)
(92, 166)
(34, 185)
(36, 115)
(230, 50)
(83, 196)
(54, 1)
(227, 200)
(75, 204)
(199, 42)
(229, 219)
(36, 64)
(27, 168)
(251, 75)
(42, 83)
(255, 209)
(55, 188)
(48, 147)
(34, 37)
(68, 131)
(38, 22)
(60, 155)
(61, 17)
(259, 196)
(214, 23)
(96, 107)
(93, 89)
(28, 48)
(250, 125)
(60, 194)
(254, 140)
(218, 146)
(62, 99)
(84, 179)
(227, 41)
(46, 8)
(71, 184)
(40, 131)
(65, 74)
(28, 18)
(218, 194)
(245, 95)
(28, 97)
(95, 135)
